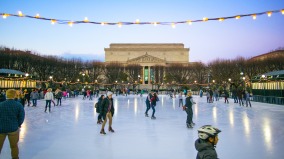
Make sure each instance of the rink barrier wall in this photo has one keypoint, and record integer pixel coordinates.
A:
(269, 99)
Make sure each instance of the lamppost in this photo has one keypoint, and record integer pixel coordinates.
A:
(263, 77)
(26, 79)
(50, 80)
(83, 78)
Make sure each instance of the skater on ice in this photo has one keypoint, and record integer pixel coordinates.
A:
(188, 109)
(107, 111)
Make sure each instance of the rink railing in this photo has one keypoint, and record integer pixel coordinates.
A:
(269, 99)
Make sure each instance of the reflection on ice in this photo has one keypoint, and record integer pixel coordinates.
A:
(231, 115)
(214, 114)
(246, 124)
(135, 106)
(115, 101)
(196, 109)
(23, 131)
(267, 132)
(77, 110)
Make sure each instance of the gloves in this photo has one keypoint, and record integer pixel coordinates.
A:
(184, 108)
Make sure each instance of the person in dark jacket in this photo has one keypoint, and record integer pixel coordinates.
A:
(240, 97)
(154, 100)
(188, 109)
(98, 109)
(107, 111)
(206, 142)
(34, 97)
(148, 103)
(226, 96)
(12, 116)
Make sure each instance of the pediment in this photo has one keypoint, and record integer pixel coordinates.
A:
(146, 59)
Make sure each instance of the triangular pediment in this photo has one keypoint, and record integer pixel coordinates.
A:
(146, 59)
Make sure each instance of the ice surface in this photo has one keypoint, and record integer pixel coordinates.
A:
(70, 131)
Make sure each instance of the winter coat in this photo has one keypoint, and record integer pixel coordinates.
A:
(154, 100)
(205, 150)
(34, 95)
(148, 99)
(59, 94)
(105, 105)
(188, 102)
(48, 96)
(99, 108)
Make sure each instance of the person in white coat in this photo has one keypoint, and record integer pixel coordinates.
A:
(48, 97)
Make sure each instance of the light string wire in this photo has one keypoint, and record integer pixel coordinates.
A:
(137, 22)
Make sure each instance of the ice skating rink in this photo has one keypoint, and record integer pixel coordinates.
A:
(71, 131)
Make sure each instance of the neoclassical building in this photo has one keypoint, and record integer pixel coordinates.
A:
(147, 55)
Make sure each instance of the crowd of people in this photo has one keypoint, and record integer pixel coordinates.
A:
(208, 135)
(240, 96)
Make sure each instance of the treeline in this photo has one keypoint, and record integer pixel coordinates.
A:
(42, 67)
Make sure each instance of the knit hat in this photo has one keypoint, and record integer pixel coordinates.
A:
(109, 93)
(11, 94)
(189, 94)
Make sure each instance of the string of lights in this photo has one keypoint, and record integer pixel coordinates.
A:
(137, 22)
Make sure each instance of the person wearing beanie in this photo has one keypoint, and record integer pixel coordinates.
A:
(107, 111)
(12, 115)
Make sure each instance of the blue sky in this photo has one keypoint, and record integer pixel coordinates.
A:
(207, 40)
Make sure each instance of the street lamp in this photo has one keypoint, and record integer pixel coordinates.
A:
(50, 78)
(26, 78)
(213, 81)
(229, 79)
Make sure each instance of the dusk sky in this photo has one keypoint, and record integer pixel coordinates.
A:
(207, 40)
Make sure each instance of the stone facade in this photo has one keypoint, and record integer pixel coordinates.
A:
(147, 55)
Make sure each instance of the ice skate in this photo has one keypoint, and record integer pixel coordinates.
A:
(110, 129)
(189, 125)
(103, 132)
(146, 115)
(153, 117)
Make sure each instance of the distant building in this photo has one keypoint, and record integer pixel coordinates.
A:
(275, 53)
(147, 55)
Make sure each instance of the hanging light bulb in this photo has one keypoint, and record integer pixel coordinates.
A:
(102, 23)
(53, 21)
(86, 20)
(70, 24)
(155, 23)
(269, 14)
(20, 13)
(137, 21)
(5, 16)
(119, 24)
(254, 16)
(173, 25)
(205, 19)
(238, 17)
(37, 16)
(189, 22)
(221, 19)
(282, 11)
